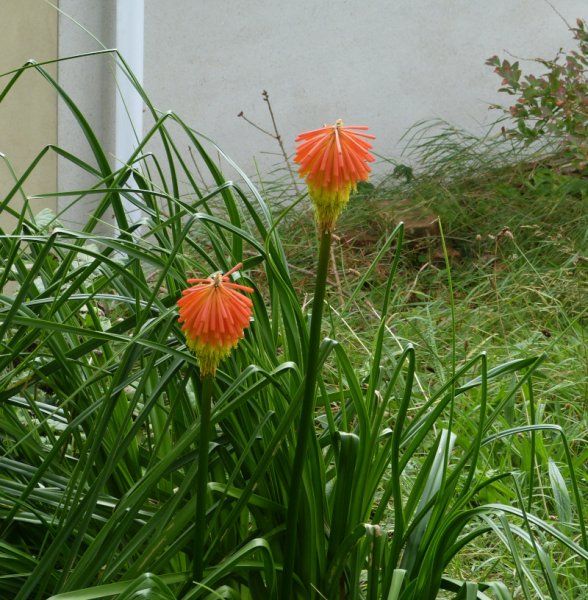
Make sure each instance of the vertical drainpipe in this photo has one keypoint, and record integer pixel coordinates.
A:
(130, 19)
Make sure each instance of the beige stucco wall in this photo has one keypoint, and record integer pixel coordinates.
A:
(28, 114)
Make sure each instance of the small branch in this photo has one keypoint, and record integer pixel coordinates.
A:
(242, 116)
(276, 136)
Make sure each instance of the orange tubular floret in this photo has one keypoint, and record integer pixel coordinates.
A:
(333, 159)
(214, 316)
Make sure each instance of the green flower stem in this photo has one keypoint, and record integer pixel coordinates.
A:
(202, 481)
(306, 416)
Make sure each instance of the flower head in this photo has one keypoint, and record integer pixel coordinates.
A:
(333, 159)
(214, 315)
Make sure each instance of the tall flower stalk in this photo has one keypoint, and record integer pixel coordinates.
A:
(214, 315)
(332, 160)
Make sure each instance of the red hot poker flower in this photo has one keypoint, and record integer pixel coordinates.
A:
(214, 315)
(333, 159)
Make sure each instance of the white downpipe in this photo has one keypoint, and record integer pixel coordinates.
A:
(130, 41)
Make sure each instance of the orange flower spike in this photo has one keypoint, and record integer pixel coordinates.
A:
(333, 159)
(214, 315)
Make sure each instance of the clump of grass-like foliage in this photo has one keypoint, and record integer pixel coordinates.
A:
(100, 414)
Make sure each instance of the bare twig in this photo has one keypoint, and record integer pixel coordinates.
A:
(276, 136)
(242, 115)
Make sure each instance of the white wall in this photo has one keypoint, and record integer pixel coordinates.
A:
(90, 83)
(383, 63)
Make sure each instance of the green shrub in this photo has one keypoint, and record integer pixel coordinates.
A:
(552, 107)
